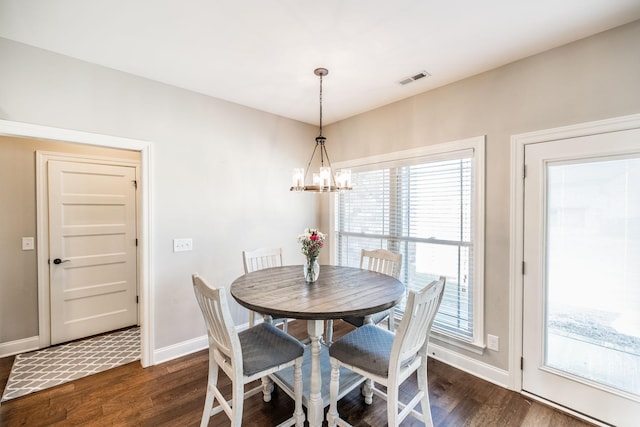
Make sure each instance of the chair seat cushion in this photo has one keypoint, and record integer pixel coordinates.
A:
(375, 319)
(367, 347)
(265, 346)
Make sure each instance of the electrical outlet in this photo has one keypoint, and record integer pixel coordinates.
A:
(182, 245)
(27, 244)
(493, 342)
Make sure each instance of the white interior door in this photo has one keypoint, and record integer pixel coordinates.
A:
(92, 248)
(581, 308)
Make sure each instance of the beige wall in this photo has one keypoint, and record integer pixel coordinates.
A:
(221, 174)
(592, 79)
(18, 275)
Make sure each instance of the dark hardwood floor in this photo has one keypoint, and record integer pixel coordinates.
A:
(172, 394)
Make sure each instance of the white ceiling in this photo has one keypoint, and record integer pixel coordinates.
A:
(262, 53)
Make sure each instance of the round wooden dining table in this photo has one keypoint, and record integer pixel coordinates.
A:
(338, 292)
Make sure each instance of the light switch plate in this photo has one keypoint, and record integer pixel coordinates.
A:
(27, 244)
(182, 245)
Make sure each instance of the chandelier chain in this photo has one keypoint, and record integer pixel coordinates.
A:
(320, 104)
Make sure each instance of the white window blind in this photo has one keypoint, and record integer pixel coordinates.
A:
(422, 207)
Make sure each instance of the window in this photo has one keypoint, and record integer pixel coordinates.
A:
(428, 205)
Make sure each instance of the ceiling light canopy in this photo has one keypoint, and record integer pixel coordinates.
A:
(325, 180)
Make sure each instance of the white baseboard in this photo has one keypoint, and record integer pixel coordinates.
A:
(184, 348)
(19, 346)
(474, 367)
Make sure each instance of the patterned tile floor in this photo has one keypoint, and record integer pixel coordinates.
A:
(57, 365)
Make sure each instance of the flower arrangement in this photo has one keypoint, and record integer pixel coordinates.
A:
(312, 241)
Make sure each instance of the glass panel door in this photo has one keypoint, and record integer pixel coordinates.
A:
(581, 310)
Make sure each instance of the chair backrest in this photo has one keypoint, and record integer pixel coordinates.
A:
(382, 261)
(261, 258)
(220, 327)
(413, 332)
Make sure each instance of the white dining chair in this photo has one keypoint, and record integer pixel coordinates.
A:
(381, 357)
(381, 261)
(257, 260)
(244, 357)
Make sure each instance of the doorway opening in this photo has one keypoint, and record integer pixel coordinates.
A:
(145, 306)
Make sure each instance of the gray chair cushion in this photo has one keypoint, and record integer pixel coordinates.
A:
(368, 348)
(265, 346)
(375, 319)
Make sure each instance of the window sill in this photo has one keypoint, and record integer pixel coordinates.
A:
(457, 342)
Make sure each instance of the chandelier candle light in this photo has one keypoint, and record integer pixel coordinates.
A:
(312, 241)
(325, 180)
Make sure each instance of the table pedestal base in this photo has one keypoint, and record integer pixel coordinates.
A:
(348, 380)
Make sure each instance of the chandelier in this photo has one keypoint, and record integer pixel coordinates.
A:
(325, 180)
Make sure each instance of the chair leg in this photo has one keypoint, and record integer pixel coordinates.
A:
(267, 388)
(298, 413)
(423, 385)
(208, 404)
(237, 402)
(367, 387)
(390, 320)
(334, 389)
(392, 404)
(367, 391)
(212, 382)
(328, 332)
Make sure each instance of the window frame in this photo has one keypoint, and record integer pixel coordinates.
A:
(477, 144)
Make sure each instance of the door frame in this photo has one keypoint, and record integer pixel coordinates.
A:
(42, 229)
(516, 243)
(146, 306)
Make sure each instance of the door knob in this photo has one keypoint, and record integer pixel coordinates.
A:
(60, 261)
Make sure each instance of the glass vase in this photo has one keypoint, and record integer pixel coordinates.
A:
(311, 270)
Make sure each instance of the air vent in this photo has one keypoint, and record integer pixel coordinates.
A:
(414, 77)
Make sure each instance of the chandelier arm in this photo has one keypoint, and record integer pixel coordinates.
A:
(333, 178)
(309, 164)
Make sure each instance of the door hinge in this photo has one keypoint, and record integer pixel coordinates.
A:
(524, 171)
(135, 184)
(137, 301)
(136, 242)
(522, 363)
(523, 268)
